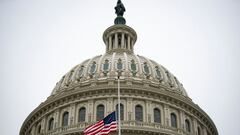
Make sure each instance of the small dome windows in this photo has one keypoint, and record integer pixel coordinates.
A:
(133, 67)
(115, 65)
(80, 72)
(158, 73)
(92, 69)
(69, 78)
(177, 82)
(119, 65)
(106, 67)
(169, 79)
(146, 69)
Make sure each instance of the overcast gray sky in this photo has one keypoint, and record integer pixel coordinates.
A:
(198, 41)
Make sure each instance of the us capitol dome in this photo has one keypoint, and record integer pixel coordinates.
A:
(153, 101)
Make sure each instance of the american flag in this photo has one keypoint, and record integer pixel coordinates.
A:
(103, 127)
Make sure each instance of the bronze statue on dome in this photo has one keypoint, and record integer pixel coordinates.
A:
(120, 9)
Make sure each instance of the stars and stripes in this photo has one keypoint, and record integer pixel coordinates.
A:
(103, 127)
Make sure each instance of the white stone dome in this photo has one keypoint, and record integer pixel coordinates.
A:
(134, 67)
(153, 101)
(120, 60)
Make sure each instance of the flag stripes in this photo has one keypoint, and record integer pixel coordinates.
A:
(100, 129)
(103, 127)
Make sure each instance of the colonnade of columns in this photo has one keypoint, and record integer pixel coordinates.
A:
(119, 41)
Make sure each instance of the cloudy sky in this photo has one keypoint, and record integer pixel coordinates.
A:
(197, 40)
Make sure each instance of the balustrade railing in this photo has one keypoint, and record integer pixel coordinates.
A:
(79, 127)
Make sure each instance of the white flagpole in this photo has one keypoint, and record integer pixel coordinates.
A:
(119, 115)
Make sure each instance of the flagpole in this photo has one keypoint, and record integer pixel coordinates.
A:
(119, 115)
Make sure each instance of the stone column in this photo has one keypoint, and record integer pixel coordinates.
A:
(166, 115)
(107, 47)
(182, 120)
(194, 126)
(116, 41)
(129, 43)
(90, 110)
(129, 109)
(56, 118)
(72, 114)
(33, 130)
(44, 124)
(110, 43)
(110, 105)
(148, 111)
(132, 45)
(204, 130)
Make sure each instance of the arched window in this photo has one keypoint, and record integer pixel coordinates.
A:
(50, 124)
(173, 120)
(100, 112)
(39, 129)
(81, 114)
(187, 125)
(157, 115)
(65, 119)
(199, 131)
(121, 111)
(139, 113)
